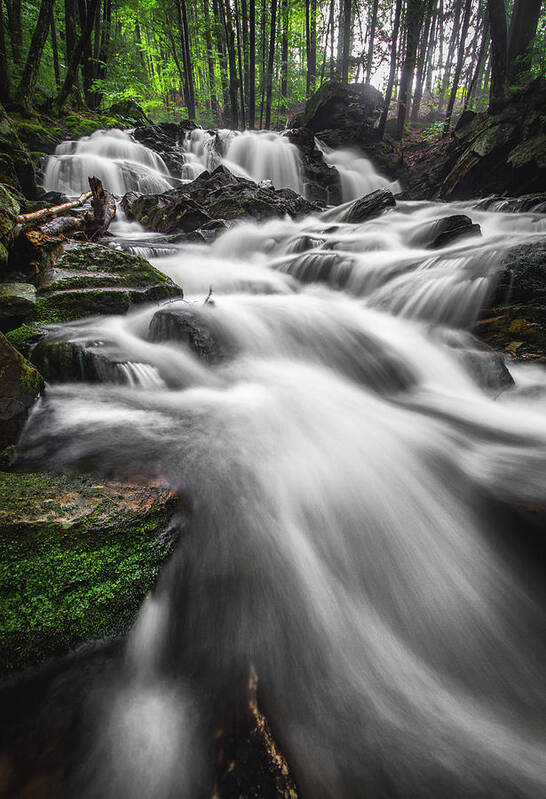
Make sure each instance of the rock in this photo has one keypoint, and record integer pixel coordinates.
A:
(215, 196)
(165, 140)
(444, 231)
(488, 154)
(91, 279)
(176, 324)
(16, 168)
(369, 206)
(17, 302)
(514, 205)
(20, 385)
(78, 556)
(342, 107)
(9, 209)
(322, 181)
(515, 318)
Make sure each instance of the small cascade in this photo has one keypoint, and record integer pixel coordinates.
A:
(113, 156)
(267, 156)
(357, 174)
(200, 151)
(141, 374)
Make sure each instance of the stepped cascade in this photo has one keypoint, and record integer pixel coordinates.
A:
(352, 461)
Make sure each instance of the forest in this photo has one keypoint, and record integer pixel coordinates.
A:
(251, 64)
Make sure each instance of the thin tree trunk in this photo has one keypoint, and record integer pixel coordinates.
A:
(76, 56)
(419, 79)
(414, 19)
(369, 57)
(15, 27)
(458, 66)
(284, 56)
(232, 57)
(332, 40)
(240, 60)
(269, 79)
(55, 49)
(346, 49)
(450, 52)
(210, 58)
(252, 64)
(499, 39)
(27, 85)
(5, 82)
(219, 35)
(392, 71)
(188, 70)
(479, 66)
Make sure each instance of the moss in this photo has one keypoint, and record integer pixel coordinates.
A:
(77, 559)
(38, 133)
(22, 338)
(79, 124)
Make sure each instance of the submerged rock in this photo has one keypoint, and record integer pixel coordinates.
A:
(78, 555)
(20, 385)
(219, 195)
(444, 231)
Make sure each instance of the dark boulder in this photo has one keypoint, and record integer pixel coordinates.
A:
(342, 107)
(369, 206)
(444, 231)
(209, 200)
(130, 111)
(321, 180)
(16, 167)
(20, 385)
(188, 327)
(528, 203)
(164, 139)
(515, 317)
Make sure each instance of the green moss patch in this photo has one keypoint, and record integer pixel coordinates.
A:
(77, 558)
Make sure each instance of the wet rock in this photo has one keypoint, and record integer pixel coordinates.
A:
(9, 209)
(369, 206)
(515, 319)
(181, 324)
(17, 302)
(322, 181)
(213, 196)
(444, 231)
(165, 139)
(20, 385)
(535, 203)
(90, 279)
(78, 556)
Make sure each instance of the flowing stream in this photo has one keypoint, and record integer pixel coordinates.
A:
(352, 461)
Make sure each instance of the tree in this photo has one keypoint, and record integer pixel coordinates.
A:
(30, 72)
(269, 79)
(414, 18)
(392, 71)
(458, 66)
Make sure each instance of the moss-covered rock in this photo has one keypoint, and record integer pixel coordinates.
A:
(17, 302)
(20, 385)
(9, 209)
(90, 279)
(77, 558)
(23, 338)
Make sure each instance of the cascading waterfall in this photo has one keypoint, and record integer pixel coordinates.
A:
(113, 156)
(352, 460)
(357, 174)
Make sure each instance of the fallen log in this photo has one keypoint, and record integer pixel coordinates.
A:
(25, 219)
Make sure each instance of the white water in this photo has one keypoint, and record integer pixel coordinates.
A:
(125, 165)
(352, 458)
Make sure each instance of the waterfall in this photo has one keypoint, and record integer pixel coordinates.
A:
(113, 156)
(357, 174)
(354, 462)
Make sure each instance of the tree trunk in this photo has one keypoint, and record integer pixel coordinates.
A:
(186, 56)
(210, 58)
(240, 60)
(392, 71)
(369, 57)
(311, 44)
(332, 40)
(421, 61)
(523, 28)
(219, 35)
(414, 19)
(458, 66)
(27, 85)
(252, 64)
(346, 48)
(269, 79)
(5, 88)
(232, 57)
(479, 65)
(499, 39)
(15, 27)
(70, 29)
(450, 52)
(55, 49)
(76, 56)
(284, 56)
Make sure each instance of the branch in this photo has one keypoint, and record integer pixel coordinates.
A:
(57, 209)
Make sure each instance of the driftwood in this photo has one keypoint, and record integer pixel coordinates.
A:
(104, 209)
(35, 216)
